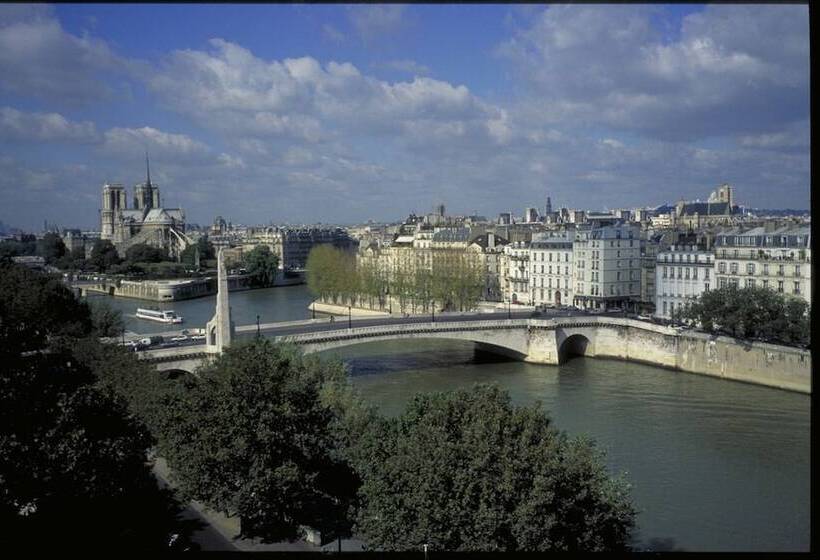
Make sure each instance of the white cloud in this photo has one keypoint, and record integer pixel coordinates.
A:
(131, 142)
(372, 20)
(45, 127)
(734, 69)
(47, 62)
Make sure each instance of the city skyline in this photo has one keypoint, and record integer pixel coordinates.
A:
(340, 114)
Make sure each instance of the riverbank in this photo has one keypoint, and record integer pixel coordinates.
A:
(179, 289)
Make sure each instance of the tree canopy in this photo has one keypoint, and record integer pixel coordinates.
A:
(468, 471)
(72, 458)
(144, 253)
(751, 312)
(253, 438)
(104, 255)
(51, 247)
(262, 265)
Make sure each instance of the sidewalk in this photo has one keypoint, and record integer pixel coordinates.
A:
(219, 531)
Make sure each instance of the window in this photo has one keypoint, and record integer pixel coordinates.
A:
(750, 282)
(722, 282)
(695, 273)
(733, 268)
(765, 283)
(664, 272)
(797, 287)
(722, 268)
(797, 270)
(781, 270)
(706, 287)
(706, 274)
(750, 268)
(687, 273)
(733, 282)
(780, 286)
(766, 269)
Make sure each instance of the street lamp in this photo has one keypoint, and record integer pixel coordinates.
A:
(349, 319)
(509, 312)
(433, 310)
(258, 334)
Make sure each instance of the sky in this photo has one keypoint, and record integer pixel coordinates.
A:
(345, 113)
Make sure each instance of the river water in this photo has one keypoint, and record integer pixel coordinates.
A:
(714, 464)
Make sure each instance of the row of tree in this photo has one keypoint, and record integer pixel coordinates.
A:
(752, 312)
(450, 280)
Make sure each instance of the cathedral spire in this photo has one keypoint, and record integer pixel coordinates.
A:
(147, 169)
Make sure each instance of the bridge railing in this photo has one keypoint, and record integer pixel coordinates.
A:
(411, 328)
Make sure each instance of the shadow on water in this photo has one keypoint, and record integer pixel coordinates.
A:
(667, 544)
(412, 359)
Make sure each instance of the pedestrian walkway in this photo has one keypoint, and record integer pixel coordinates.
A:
(219, 531)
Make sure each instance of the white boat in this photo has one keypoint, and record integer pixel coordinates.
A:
(159, 316)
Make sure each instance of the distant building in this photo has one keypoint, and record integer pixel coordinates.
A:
(505, 218)
(147, 222)
(530, 215)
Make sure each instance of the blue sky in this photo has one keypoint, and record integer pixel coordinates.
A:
(343, 113)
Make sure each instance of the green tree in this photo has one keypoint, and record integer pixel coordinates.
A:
(205, 248)
(751, 312)
(14, 248)
(144, 253)
(253, 438)
(106, 321)
(262, 265)
(51, 247)
(72, 459)
(104, 255)
(468, 471)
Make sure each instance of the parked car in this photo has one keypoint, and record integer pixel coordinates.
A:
(181, 338)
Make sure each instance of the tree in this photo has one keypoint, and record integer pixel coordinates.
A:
(72, 458)
(468, 471)
(144, 253)
(205, 248)
(752, 312)
(262, 265)
(51, 247)
(106, 321)
(104, 255)
(253, 438)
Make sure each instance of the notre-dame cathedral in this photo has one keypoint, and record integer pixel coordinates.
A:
(146, 222)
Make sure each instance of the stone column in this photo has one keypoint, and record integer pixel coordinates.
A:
(220, 330)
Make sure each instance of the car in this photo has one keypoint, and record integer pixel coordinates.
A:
(181, 338)
(644, 317)
(198, 337)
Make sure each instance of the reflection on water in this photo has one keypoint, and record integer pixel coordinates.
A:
(715, 465)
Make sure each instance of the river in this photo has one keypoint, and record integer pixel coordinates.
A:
(715, 465)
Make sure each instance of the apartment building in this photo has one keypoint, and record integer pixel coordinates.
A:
(778, 259)
(607, 267)
(682, 273)
(551, 270)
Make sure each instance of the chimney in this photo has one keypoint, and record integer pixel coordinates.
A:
(490, 240)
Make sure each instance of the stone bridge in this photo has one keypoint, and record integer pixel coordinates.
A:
(542, 341)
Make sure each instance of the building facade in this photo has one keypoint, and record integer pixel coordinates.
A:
(683, 272)
(607, 267)
(551, 269)
(778, 259)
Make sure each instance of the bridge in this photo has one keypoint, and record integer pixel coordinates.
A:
(550, 340)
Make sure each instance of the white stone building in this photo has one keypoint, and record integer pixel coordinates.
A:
(777, 259)
(683, 272)
(517, 285)
(551, 269)
(607, 267)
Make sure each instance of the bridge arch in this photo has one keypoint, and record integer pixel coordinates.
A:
(572, 346)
